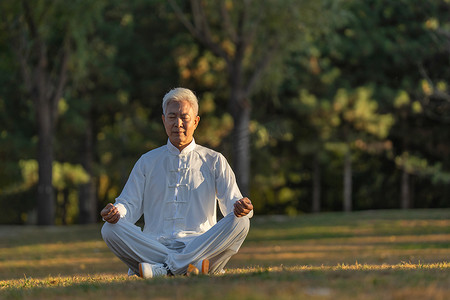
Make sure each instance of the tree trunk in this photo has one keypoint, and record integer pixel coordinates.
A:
(242, 37)
(316, 185)
(64, 205)
(87, 198)
(241, 150)
(348, 182)
(45, 195)
(240, 109)
(405, 196)
(45, 83)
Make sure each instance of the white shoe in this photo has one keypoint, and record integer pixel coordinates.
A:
(201, 267)
(147, 270)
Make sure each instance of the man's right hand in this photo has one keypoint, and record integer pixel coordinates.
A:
(110, 214)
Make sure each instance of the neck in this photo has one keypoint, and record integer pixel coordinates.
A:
(180, 147)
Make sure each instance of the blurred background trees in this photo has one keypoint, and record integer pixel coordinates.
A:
(319, 105)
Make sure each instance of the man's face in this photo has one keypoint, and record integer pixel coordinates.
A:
(180, 123)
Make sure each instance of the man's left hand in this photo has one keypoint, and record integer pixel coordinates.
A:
(242, 207)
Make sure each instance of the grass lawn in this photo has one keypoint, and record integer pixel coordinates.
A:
(361, 255)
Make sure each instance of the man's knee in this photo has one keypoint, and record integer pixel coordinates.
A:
(110, 232)
(106, 231)
(241, 226)
(241, 229)
(245, 224)
(243, 221)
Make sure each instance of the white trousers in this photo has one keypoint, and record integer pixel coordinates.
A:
(218, 244)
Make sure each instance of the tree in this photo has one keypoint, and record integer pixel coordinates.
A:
(47, 35)
(350, 121)
(247, 36)
(44, 83)
(388, 39)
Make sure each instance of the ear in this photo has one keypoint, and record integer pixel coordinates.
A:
(163, 119)
(196, 121)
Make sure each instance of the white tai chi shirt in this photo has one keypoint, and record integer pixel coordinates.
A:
(177, 191)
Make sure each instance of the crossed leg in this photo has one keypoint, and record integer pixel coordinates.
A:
(218, 244)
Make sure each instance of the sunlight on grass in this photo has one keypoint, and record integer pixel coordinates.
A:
(352, 267)
(376, 255)
(63, 281)
(356, 228)
(369, 249)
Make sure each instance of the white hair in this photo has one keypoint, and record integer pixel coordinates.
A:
(180, 94)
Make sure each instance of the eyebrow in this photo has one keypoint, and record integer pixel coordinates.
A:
(182, 115)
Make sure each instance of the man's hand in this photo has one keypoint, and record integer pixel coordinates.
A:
(242, 207)
(110, 214)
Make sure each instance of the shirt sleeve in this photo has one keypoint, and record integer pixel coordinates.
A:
(129, 203)
(227, 190)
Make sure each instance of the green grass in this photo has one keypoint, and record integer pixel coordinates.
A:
(362, 255)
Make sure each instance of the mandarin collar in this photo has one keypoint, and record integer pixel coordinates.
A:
(174, 150)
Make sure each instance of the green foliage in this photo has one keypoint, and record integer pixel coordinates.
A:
(370, 77)
(66, 179)
(347, 87)
(420, 166)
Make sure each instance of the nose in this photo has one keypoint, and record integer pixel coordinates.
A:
(178, 122)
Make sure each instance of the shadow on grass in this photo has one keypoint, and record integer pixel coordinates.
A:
(350, 225)
(16, 235)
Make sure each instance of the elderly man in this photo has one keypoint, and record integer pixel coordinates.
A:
(176, 187)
